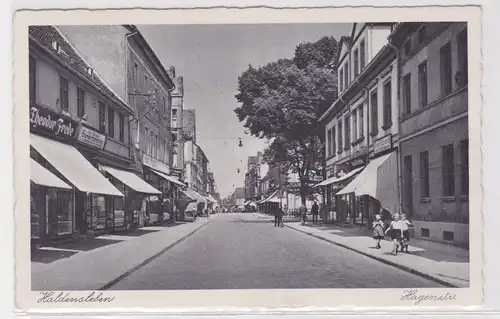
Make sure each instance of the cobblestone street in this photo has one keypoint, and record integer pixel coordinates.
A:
(241, 251)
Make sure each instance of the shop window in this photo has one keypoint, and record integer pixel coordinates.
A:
(422, 84)
(80, 102)
(464, 161)
(387, 105)
(463, 56)
(102, 118)
(64, 212)
(407, 94)
(424, 175)
(111, 122)
(424, 232)
(448, 235)
(121, 124)
(374, 112)
(98, 212)
(445, 69)
(37, 209)
(63, 93)
(32, 80)
(362, 54)
(448, 170)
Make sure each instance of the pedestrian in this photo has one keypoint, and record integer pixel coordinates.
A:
(406, 224)
(315, 212)
(378, 230)
(396, 232)
(281, 214)
(277, 213)
(303, 213)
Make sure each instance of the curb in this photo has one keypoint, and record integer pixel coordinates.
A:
(383, 260)
(148, 260)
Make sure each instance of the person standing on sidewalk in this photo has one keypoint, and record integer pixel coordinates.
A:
(315, 212)
(378, 230)
(303, 213)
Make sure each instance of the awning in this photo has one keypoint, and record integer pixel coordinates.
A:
(211, 198)
(132, 180)
(246, 203)
(334, 179)
(195, 195)
(42, 176)
(253, 204)
(74, 166)
(187, 195)
(268, 199)
(169, 178)
(191, 207)
(379, 179)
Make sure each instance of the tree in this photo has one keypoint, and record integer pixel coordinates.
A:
(282, 102)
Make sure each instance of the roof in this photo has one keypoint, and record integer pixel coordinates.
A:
(45, 36)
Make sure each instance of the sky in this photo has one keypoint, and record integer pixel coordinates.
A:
(210, 58)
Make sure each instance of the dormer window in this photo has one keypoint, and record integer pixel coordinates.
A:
(90, 71)
(57, 47)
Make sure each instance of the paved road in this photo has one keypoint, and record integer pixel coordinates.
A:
(242, 251)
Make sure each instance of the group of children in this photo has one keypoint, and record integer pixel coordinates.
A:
(398, 229)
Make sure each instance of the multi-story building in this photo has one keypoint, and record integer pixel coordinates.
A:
(177, 124)
(434, 128)
(211, 189)
(238, 197)
(189, 124)
(252, 177)
(126, 61)
(361, 127)
(80, 136)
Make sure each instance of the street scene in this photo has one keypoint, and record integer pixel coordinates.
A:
(183, 157)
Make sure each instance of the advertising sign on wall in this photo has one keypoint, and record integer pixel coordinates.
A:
(91, 137)
(48, 121)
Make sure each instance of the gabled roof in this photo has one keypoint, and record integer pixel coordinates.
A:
(344, 42)
(45, 36)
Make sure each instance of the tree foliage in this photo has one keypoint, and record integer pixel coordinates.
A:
(282, 102)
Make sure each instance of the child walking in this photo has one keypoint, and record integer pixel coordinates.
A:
(378, 230)
(396, 233)
(406, 224)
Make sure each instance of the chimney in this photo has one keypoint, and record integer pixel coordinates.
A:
(171, 71)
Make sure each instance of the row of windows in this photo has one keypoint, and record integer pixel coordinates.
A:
(449, 172)
(359, 62)
(336, 142)
(108, 129)
(153, 146)
(165, 105)
(446, 76)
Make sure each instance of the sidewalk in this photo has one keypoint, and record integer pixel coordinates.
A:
(446, 264)
(96, 263)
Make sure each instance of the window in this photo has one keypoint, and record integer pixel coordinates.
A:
(32, 79)
(421, 34)
(464, 161)
(152, 145)
(463, 56)
(164, 105)
(121, 124)
(422, 84)
(424, 175)
(63, 93)
(445, 63)
(361, 122)
(165, 151)
(102, 117)
(341, 80)
(174, 113)
(387, 105)
(362, 54)
(111, 122)
(147, 139)
(157, 143)
(347, 128)
(340, 145)
(408, 183)
(448, 171)
(80, 102)
(354, 126)
(407, 94)
(135, 72)
(346, 76)
(157, 100)
(356, 62)
(374, 112)
(407, 46)
(329, 142)
(334, 142)
(146, 85)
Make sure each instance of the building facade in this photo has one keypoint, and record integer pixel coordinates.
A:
(177, 124)
(125, 60)
(362, 126)
(76, 121)
(434, 128)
